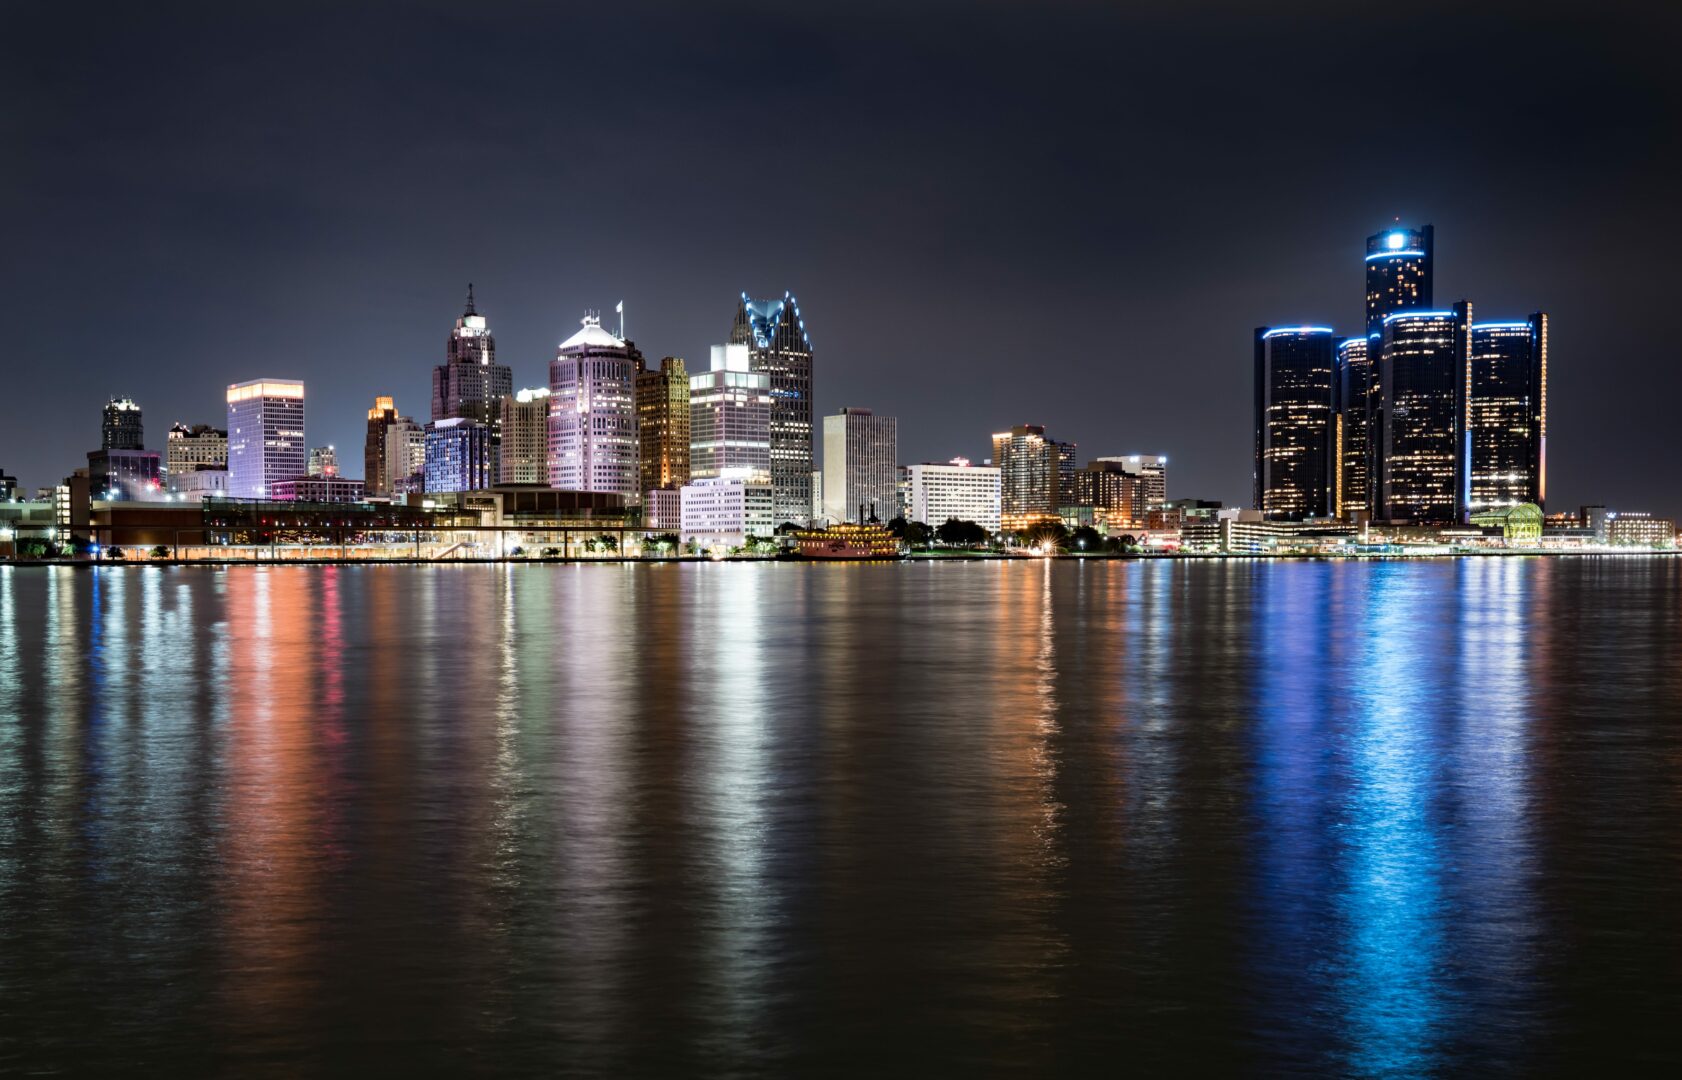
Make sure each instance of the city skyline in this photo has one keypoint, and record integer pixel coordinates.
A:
(1152, 291)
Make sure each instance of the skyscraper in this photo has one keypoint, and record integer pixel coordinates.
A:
(1506, 413)
(730, 417)
(380, 417)
(188, 449)
(1028, 482)
(1152, 473)
(1295, 423)
(1398, 273)
(458, 455)
(265, 435)
(663, 426)
(1423, 360)
(593, 414)
(860, 466)
(525, 438)
(405, 457)
(120, 428)
(470, 383)
(1357, 392)
(775, 333)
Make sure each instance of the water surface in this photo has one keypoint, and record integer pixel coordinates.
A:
(778, 820)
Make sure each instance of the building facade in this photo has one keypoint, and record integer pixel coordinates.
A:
(120, 427)
(380, 417)
(955, 490)
(318, 488)
(265, 435)
(1028, 482)
(324, 461)
(730, 416)
(779, 348)
(1150, 472)
(1357, 394)
(470, 384)
(405, 457)
(189, 449)
(1635, 528)
(1423, 360)
(723, 511)
(1399, 272)
(1296, 445)
(132, 475)
(663, 426)
(458, 455)
(1506, 414)
(860, 466)
(525, 438)
(593, 413)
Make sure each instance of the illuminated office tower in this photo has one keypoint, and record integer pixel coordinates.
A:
(458, 455)
(265, 435)
(663, 426)
(860, 466)
(730, 418)
(1150, 472)
(1506, 414)
(1398, 273)
(1295, 423)
(955, 490)
(470, 383)
(775, 334)
(1357, 394)
(190, 449)
(120, 427)
(1423, 360)
(380, 417)
(1028, 465)
(324, 461)
(1063, 458)
(525, 438)
(593, 413)
(405, 457)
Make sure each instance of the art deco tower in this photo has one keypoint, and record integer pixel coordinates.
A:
(593, 413)
(775, 335)
(470, 383)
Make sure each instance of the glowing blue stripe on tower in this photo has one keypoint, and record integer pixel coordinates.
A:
(1394, 254)
(1500, 326)
(1298, 330)
(1393, 316)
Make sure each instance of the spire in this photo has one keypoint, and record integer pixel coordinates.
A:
(470, 309)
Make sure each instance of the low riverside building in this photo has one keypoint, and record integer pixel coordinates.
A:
(1517, 526)
(1245, 532)
(723, 511)
(1630, 528)
(955, 490)
(201, 482)
(320, 488)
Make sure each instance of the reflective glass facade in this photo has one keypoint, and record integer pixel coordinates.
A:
(1296, 423)
(1507, 413)
(775, 334)
(1398, 273)
(1422, 369)
(1357, 398)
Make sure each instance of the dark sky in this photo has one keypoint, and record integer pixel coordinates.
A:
(1059, 213)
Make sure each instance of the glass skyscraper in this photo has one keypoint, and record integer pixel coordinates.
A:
(1506, 414)
(1423, 359)
(1296, 468)
(265, 435)
(730, 418)
(1028, 476)
(120, 427)
(458, 455)
(1398, 273)
(1357, 398)
(593, 413)
(775, 335)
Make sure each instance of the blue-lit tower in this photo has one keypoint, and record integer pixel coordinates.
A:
(1357, 398)
(1398, 273)
(1506, 413)
(1424, 358)
(1296, 445)
(779, 346)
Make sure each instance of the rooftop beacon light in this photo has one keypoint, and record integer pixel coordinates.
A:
(1395, 240)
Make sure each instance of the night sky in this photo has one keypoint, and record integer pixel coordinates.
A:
(1055, 213)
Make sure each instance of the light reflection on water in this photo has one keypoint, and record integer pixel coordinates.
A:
(1381, 819)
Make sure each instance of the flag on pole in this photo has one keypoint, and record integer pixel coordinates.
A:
(620, 307)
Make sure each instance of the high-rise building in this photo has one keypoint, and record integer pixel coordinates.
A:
(120, 427)
(458, 455)
(593, 413)
(265, 435)
(730, 416)
(775, 334)
(663, 426)
(525, 438)
(324, 461)
(380, 417)
(190, 449)
(1423, 360)
(470, 383)
(1151, 478)
(1357, 399)
(125, 474)
(1109, 486)
(405, 457)
(956, 490)
(860, 466)
(1296, 444)
(1506, 414)
(1028, 476)
(1398, 273)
